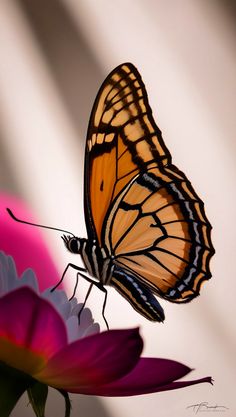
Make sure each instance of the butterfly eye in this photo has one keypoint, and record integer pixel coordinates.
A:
(72, 244)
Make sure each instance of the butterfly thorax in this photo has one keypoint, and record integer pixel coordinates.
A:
(95, 260)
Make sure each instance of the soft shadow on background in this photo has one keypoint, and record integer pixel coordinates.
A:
(54, 56)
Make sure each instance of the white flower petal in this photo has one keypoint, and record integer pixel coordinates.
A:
(73, 329)
(29, 278)
(59, 299)
(94, 328)
(78, 325)
(8, 273)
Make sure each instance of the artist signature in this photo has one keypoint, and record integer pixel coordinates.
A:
(205, 407)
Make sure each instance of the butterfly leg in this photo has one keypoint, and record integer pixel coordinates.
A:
(70, 265)
(102, 288)
(104, 306)
(85, 300)
(91, 281)
(75, 287)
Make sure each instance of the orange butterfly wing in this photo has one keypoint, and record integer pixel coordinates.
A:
(122, 139)
(157, 229)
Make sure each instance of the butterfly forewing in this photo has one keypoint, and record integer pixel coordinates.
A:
(122, 139)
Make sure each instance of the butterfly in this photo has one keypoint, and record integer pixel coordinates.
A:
(148, 234)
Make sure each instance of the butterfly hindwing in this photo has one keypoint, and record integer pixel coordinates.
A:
(157, 230)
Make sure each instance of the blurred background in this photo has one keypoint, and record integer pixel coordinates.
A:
(54, 54)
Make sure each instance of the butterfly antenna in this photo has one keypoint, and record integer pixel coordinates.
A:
(35, 224)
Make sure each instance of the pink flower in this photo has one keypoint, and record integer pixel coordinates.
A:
(43, 344)
(40, 336)
(24, 243)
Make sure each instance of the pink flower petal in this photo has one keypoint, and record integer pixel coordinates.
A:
(25, 243)
(150, 375)
(120, 391)
(96, 359)
(30, 328)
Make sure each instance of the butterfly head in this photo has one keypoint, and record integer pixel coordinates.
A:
(73, 244)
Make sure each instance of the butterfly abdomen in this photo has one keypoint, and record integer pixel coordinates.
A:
(139, 296)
